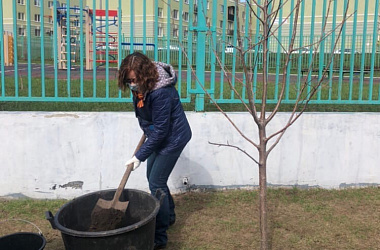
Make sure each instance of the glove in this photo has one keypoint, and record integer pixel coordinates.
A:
(136, 162)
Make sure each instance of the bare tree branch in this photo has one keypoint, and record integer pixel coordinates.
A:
(294, 116)
(257, 4)
(225, 72)
(216, 104)
(283, 85)
(267, 17)
(236, 147)
(249, 89)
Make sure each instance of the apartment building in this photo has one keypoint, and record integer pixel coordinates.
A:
(168, 12)
(173, 14)
(359, 26)
(35, 16)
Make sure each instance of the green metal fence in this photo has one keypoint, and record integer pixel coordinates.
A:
(72, 53)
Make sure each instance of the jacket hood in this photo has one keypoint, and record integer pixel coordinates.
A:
(166, 75)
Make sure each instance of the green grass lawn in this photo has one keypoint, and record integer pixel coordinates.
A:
(298, 219)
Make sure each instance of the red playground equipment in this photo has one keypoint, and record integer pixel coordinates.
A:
(95, 37)
(100, 44)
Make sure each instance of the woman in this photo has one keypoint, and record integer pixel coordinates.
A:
(161, 117)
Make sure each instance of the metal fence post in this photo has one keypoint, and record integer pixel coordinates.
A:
(201, 52)
(2, 50)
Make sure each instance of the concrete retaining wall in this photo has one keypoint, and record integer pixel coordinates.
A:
(65, 155)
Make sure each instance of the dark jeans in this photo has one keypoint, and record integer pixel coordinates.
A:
(159, 168)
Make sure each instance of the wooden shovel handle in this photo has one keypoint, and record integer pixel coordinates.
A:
(127, 172)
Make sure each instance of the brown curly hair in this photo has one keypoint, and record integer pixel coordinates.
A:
(145, 71)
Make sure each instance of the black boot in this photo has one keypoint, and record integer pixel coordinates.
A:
(158, 246)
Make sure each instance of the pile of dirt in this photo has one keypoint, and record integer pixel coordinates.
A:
(106, 219)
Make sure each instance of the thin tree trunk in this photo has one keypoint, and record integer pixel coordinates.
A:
(263, 209)
(263, 189)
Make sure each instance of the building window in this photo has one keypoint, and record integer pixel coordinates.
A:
(21, 2)
(175, 32)
(231, 11)
(222, 8)
(37, 17)
(50, 19)
(76, 23)
(230, 25)
(63, 5)
(37, 32)
(186, 16)
(50, 4)
(186, 1)
(37, 3)
(175, 14)
(49, 32)
(160, 32)
(243, 15)
(21, 31)
(21, 16)
(160, 12)
(76, 9)
(185, 33)
(221, 24)
(208, 5)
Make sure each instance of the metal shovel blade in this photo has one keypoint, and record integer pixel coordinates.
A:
(106, 205)
(108, 215)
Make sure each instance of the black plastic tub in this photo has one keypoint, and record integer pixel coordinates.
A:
(74, 218)
(22, 241)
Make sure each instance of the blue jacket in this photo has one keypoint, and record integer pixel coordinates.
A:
(162, 117)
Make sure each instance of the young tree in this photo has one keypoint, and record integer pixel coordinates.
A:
(266, 14)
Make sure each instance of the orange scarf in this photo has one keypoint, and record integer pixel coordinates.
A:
(140, 96)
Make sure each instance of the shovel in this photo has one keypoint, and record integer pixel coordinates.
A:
(108, 215)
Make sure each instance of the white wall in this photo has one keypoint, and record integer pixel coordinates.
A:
(65, 155)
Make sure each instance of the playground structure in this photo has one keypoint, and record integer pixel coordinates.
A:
(94, 44)
(8, 49)
(100, 41)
